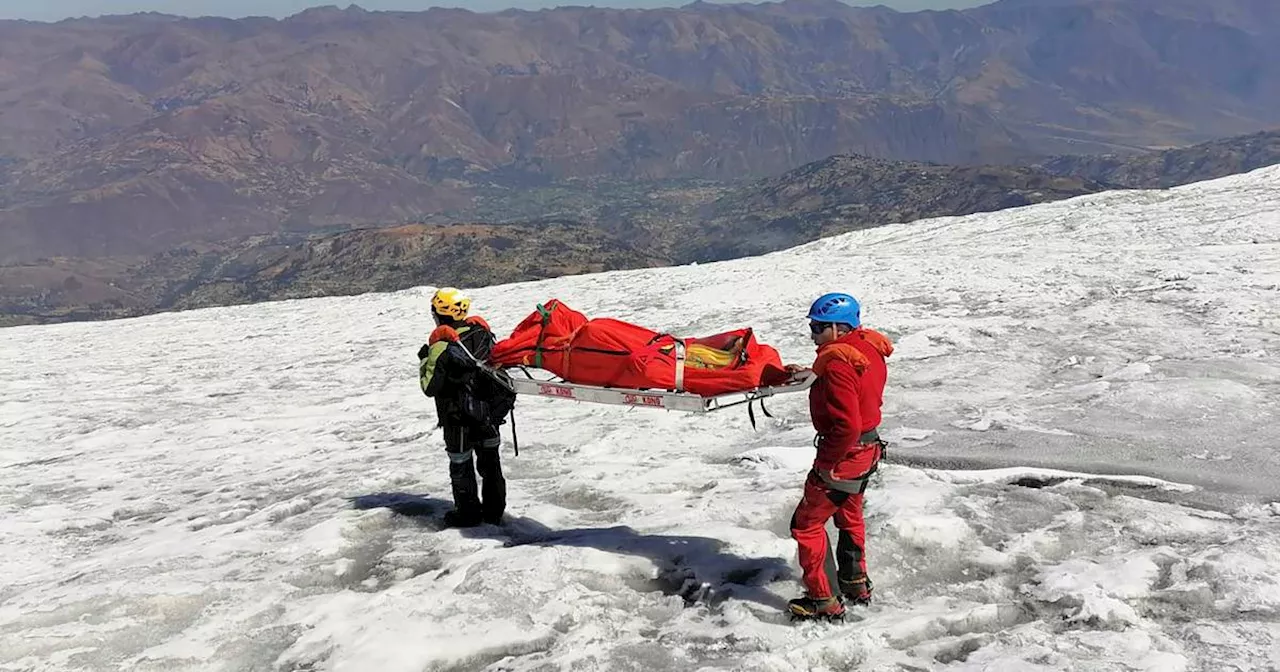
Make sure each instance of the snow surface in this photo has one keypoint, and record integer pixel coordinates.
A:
(259, 487)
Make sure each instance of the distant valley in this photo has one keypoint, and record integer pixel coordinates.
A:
(590, 226)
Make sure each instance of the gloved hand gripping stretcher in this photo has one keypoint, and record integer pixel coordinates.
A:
(604, 360)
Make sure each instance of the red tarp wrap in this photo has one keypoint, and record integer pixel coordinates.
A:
(608, 352)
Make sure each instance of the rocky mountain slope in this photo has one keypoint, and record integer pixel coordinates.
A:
(844, 193)
(579, 226)
(1206, 161)
(134, 135)
(663, 225)
(284, 266)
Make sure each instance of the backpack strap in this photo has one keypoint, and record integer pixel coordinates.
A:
(485, 369)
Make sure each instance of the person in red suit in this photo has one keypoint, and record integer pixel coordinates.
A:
(844, 404)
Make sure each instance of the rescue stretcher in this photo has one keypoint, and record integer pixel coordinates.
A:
(609, 361)
(671, 400)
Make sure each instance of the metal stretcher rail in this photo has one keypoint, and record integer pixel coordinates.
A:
(665, 399)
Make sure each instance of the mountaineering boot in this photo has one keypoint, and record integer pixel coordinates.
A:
(823, 607)
(856, 591)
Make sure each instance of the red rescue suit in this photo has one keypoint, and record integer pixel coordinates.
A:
(844, 405)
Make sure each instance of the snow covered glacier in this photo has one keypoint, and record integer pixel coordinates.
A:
(1083, 412)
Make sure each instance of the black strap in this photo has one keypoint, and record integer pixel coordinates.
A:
(751, 414)
(515, 441)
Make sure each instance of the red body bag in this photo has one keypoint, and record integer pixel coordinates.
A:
(611, 353)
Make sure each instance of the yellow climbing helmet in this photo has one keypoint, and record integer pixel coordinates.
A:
(451, 303)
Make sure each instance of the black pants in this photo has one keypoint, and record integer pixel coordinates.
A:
(473, 449)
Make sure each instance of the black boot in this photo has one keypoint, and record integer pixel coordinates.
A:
(856, 591)
(809, 607)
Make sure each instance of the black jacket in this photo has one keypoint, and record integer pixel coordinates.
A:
(447, 373)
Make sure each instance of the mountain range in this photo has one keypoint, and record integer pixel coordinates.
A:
(139, 134)
(592, 226)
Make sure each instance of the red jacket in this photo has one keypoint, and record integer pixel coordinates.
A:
(845, 401)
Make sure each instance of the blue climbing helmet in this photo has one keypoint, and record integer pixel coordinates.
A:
(838, 308)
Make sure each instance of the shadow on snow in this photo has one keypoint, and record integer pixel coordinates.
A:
(695, 568)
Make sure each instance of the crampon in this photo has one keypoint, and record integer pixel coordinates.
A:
(808, 608)
(857, 591)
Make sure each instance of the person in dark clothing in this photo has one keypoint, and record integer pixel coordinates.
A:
(447, 368)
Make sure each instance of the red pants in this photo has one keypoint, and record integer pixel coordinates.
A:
(808, 525)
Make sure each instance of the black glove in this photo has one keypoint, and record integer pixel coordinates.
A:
(422, 352)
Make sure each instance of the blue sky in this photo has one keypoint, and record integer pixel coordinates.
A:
(52, 10)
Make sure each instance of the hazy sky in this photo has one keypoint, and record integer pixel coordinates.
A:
(53, 10)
